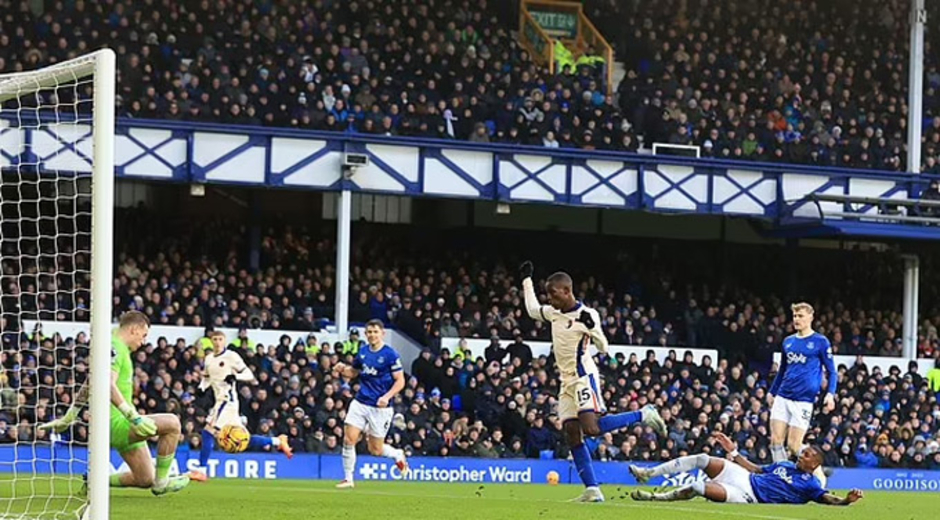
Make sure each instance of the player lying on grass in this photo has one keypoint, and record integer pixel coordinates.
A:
(223, 368)
(379, 370)
(580, 403)
(129, 429)
(740, 481)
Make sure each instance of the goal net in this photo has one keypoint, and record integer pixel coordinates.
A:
(56, 207)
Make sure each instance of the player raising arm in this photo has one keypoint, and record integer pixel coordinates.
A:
(797, 385)
(740, 481)
(580, 403)
(129, 429)
(379, 370)
(223, 368)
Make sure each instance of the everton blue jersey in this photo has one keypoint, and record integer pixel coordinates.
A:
(784, 483)
(375, 373)
(801, 363)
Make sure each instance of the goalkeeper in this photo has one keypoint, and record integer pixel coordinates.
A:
(130, 430)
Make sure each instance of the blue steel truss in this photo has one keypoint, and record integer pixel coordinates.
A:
(300, 159)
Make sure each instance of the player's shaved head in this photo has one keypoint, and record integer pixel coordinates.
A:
(559, 289)
(817, 453)
(559, 280)
(810, 458)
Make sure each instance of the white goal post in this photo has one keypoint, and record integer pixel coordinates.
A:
(56, 262)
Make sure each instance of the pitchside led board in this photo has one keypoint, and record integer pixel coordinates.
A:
(62, 459)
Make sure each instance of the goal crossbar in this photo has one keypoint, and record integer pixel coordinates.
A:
(16, 84)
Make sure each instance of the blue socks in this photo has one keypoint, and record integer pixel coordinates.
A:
(582, 461)
(613, 422)
(259, 442)
(208, 444)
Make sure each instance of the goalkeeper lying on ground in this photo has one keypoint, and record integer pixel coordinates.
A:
(129, 429)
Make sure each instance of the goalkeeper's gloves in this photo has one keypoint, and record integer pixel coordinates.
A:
(586, 319)
(141, 425)
(62, 423)
(526, 269)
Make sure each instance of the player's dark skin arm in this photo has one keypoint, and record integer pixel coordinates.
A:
(563, 298)
(832, 500)
(730, 447)
(748, 465)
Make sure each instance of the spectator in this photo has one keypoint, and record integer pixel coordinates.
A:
(933, 377)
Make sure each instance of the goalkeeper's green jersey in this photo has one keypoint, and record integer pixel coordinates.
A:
(121, 363)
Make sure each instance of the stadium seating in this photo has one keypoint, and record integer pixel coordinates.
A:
(484, 408)
(821, 83)
(648, 293)
(732, 83)
(720, 76)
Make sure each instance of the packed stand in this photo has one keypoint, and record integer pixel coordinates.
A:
(648, 293)
(500, 405)
(821, 83)
(815, 82)
(445, 69)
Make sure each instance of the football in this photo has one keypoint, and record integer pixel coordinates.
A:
(234, 438)
(552, 478)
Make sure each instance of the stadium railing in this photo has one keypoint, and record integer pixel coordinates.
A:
(306, 159)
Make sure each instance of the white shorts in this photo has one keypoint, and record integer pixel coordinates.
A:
(795, 413)
(581, 395)
(374, 421)
(224, 413)
(737, 484)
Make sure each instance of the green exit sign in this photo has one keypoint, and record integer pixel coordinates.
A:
(559, 25)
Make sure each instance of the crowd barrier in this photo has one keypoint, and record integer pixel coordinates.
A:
(62, 459)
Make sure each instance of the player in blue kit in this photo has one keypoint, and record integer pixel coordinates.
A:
(740, 481)
(797, 385)
(381, 378)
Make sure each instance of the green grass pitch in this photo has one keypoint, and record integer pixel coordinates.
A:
(222, 499)
(295, 500)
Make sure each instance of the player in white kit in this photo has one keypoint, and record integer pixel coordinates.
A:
(575, 327)
(223, 367)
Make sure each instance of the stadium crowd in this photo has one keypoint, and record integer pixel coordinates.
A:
(648, 292)
(499, 405)
(820, 83)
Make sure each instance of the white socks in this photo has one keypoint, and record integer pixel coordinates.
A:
(684, 493)
(779, 453)
(349, 461)
(392, 453)
(275, 442)
(349, 458)
(680, 465)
